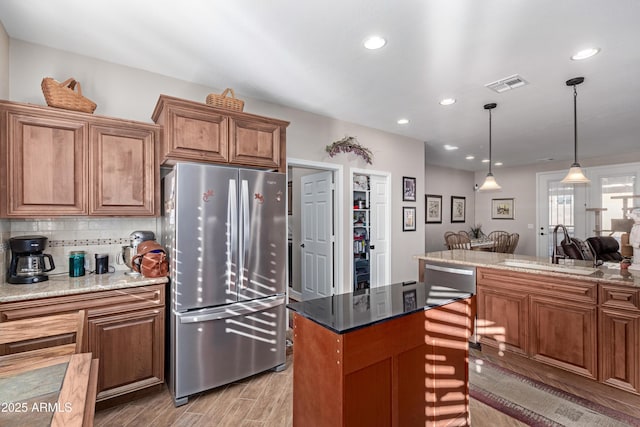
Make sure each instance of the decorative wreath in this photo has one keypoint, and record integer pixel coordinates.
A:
(349, 144)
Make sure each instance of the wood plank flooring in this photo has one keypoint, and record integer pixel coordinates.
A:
(265, 400)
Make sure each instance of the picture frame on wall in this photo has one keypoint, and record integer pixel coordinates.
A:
(502, 208)
(432, 209)
(458, 209)
(408, 218)
(408, 189)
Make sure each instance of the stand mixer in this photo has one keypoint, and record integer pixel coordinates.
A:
(130, 250)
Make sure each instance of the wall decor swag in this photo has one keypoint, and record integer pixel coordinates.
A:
(458, 209)
(433, 209)
(349, 144)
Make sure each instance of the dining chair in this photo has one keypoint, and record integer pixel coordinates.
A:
(458, 241)
(448, 240)
(513, 242)
(501, 243)
(38, 338)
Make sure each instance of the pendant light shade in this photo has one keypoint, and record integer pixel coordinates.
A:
(575, 175)
(490, 183)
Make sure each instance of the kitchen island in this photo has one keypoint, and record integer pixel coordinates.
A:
(570, 316)
(394, 355)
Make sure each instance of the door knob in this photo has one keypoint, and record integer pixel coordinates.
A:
(302, 245)
(372, 247)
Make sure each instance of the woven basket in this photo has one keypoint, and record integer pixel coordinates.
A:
(64, 95)
(223, 101)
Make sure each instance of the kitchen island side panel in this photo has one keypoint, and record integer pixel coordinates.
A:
(411, 370)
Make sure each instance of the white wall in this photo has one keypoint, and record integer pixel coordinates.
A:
(132, 94)
(4, 94)
(4, 63)
(447, 182)
(520, 183)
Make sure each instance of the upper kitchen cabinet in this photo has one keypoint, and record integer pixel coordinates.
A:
(195, 131)
(124, 176)
(59, 163)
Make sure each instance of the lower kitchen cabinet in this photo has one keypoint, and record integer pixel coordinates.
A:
(564, 334)
(619, 327)
(550, 319)
(125, 331)
(130, 348)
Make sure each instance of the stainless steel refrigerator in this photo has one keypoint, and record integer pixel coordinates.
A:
(225, 231)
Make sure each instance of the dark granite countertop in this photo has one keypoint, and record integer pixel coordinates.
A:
(344, 313)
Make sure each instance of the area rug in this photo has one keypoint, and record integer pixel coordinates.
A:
(535, 403)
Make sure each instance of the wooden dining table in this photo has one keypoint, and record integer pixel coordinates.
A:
(55, 391)
(482, 245)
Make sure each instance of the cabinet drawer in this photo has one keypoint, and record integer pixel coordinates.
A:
(96, 303)
(612, 296)
(540, 284)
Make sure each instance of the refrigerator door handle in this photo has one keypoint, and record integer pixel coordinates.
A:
(232, 220)
(238, 309)
(246, 228)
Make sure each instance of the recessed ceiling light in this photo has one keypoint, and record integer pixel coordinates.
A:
(585, 53)
(485, 160)
(470, 157)
(374, 42)
(448, 101)
(403, 121)
(450, 147)
(497, 164)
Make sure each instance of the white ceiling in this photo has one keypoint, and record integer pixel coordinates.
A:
(308, 55)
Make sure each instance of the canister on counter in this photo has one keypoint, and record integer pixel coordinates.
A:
(102, 263)
(76, 263)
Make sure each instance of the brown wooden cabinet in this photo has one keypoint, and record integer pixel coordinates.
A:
(125, 332)
(194, 131)
(564, 333)
(619, 331)
(550, 319)
(58, 162)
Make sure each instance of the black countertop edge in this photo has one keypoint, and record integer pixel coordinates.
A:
(344, 313)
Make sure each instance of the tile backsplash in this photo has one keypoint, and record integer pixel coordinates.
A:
(94, 236)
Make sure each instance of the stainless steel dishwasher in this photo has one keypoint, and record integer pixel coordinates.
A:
(456, 276)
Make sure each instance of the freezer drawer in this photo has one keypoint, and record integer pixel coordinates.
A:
(217, 346)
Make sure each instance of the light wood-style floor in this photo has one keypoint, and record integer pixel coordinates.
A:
(265, 400)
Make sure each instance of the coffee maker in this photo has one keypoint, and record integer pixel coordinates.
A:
(28, 263)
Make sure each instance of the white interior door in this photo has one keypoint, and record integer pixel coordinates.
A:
(559, 203)
(380, 239)
(317, 235)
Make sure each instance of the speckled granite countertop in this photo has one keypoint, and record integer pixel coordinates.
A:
(65, 285)
(581, 270)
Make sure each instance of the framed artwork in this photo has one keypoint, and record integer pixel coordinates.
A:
(408, 218)
(432, 209)
(502, 208)
(458, 209)
(408, 189)
(409, 300)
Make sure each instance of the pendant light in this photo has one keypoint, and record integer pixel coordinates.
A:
(575, 175)
(489, 183)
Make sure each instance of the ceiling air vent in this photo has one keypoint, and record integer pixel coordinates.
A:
(507, 83)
